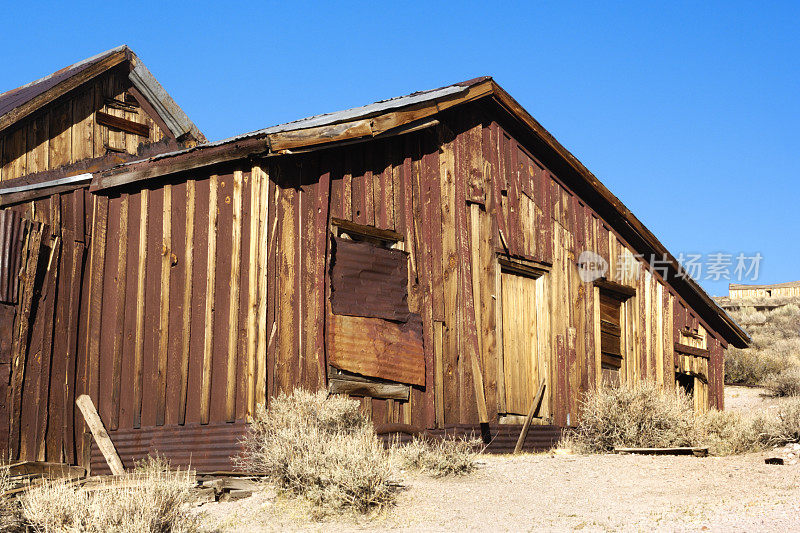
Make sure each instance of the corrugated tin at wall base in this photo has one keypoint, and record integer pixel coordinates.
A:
(503, 436)
(205, 448)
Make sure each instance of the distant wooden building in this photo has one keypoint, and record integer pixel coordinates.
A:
(738, 291)
(427, 253)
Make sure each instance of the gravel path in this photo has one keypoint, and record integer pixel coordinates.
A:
(563, 492)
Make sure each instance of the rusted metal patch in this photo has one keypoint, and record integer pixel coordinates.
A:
(378, 348)
(12, 232)
(369, 281)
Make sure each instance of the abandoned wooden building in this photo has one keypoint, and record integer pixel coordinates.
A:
(741, 291)
(421, 253)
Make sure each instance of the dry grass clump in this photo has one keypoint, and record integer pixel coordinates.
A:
(10, 512)
(640, 415)
(439, 457)
(322, 449)
(775, 348)
(153, 501)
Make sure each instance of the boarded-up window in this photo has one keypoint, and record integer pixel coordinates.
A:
(611, 297)
(610, 336)
(371, 331)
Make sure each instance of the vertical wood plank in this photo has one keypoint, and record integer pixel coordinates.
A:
(252, 285)
(188, 262)
(119, 334)
(211, 270)
(233, 311)
(70, 385)
(163, 320)
(48, 298)
(96, 296)
(138, 350)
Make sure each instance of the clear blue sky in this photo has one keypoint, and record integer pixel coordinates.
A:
(690, 115)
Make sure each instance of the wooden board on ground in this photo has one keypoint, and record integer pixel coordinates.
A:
(681, 450)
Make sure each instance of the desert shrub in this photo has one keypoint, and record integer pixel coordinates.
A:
(10, 515)
(322, 449)
(787, 427)
(752, 367)
(639, 415)
(787, 382)
(729, 433)
(748, 315)
(775, 345)
(438, 457)
(150, 502)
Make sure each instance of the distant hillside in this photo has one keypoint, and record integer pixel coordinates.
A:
(773, 359)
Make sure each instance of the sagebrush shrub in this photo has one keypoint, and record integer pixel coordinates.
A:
(730, 433)
(637, 416)
(787, 382)
(787, 428)
(322, 449)
(439, 457)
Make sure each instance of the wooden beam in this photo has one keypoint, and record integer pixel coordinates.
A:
(623, 292)
(122, 124)
(535, 406)
(100, 435)
(368, 231)
(691, 350)
(191, 159)
(393, 391)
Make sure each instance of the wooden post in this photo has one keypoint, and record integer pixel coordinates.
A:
(86, 406)
(537, 402)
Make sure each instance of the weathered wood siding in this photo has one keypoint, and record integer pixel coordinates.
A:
(205, 294)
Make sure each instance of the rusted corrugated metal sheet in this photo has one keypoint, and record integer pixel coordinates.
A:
(204, 448)
(12, 234)
(378, 348)
(369, 281)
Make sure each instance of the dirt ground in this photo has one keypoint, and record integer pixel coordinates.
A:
(554, 492)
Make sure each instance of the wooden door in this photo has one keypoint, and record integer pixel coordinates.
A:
(523, 357)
